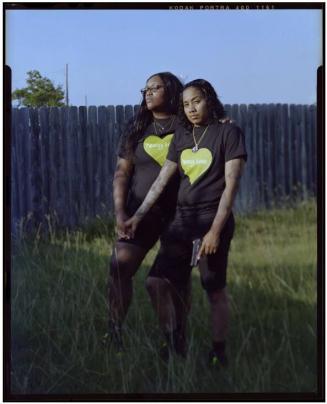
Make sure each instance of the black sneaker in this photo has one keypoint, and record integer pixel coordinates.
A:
(178, 347)
(218, 360)
(114, 336)
(164, 352)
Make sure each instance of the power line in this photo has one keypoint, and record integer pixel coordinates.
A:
(67, 99)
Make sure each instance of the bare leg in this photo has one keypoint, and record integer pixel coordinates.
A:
(182, 303)
(124, 263)
(219, 306)
(160, 292)
(172, 308)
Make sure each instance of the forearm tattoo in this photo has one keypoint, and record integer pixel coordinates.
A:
(156, 189)
(120, 187)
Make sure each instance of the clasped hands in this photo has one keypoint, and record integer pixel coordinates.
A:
(126, 228)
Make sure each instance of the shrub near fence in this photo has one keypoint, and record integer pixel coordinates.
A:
(63, 159)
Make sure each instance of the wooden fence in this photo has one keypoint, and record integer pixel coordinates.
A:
(63, 159)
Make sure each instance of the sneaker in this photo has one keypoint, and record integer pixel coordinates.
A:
(218, 360)
(114, 336)
(164, 352)
(179, 348)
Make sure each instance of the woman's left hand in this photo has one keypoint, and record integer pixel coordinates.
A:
(209, 244)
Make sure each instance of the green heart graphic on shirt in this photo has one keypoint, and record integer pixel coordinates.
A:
(195, 164)
(157, 147)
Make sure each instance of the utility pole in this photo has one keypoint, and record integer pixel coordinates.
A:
(67, 99)
(86, 101)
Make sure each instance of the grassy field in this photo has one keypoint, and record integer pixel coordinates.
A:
(58, 306)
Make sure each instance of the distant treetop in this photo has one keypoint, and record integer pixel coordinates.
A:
(39, 92)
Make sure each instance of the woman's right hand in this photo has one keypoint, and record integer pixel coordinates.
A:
(131, 226)
(121, 229)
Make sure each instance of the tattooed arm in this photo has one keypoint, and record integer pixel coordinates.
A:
(167, 171)
(122, 176)
(233, 173)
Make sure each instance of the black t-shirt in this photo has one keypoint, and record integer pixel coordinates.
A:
(148, 157)
(203, 172)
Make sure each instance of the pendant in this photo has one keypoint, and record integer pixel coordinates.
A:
(195, 149)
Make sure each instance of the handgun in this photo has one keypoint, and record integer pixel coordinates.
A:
(195, 251)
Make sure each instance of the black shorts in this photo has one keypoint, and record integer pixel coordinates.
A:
(149, 229)
(174, 257)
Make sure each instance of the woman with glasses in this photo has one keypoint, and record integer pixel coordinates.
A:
(142, 151)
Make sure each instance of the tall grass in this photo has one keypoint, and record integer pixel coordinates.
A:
(59, 309)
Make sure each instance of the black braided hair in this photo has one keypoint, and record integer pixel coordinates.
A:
(215, 107)
(137, 125)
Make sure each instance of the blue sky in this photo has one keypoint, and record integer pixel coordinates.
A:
(249, 56)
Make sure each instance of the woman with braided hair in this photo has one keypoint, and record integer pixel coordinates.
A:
(142, 151)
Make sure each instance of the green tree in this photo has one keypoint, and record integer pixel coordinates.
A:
(39, 92)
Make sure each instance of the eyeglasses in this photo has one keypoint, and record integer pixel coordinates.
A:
(153, 89)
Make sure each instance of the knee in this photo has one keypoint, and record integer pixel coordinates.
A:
(209, 282)
(155, 286)
(118, 270)
(218, 297)
(113, 267)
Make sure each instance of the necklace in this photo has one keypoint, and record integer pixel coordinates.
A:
(163, 127)
(196, 143)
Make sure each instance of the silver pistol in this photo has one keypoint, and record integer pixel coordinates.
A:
(195, 251)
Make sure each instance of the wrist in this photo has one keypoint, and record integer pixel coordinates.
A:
(119, 211)
(120, 215)
(138, 217)
(215, 229)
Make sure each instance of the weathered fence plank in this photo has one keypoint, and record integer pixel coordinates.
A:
(244, 185)
(65, 178)
(313, 136)
(280, 136)
(128, 112)
(113, 136)
(97, 168)
(303, 151)
(260, 153)
(35, 167)
(270, 153)
(103, 121)
(22, 142)
(293, 148)
(82, 150)
(308, 148)
(73, 170)
(61, 202)
(44, 158)
(136, 109)
(15, 213)
(253, 157)
(91, 128)
(54, 161)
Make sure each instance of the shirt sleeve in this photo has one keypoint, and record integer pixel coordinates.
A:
(172, 151)
(234, 144)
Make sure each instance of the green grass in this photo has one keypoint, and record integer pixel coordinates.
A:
(59, 308)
